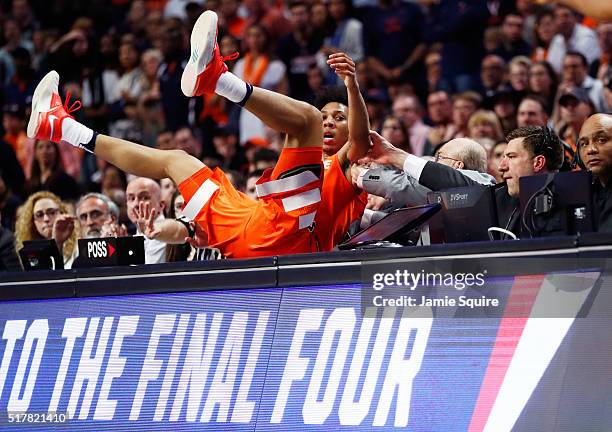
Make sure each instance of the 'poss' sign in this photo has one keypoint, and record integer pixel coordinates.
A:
(111, 251)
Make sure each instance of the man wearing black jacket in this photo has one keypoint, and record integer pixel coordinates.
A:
(595, 148)
(531, 150)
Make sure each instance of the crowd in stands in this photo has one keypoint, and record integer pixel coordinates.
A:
(429, 71)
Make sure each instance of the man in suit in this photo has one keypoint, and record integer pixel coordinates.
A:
(531, 150)
(401, 189)
(595, 149)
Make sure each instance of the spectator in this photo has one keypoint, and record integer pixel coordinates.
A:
(21, 87)
(48, 173)
(264, 158)
(346, 37)
(165, 141)
(518, 73)
(492, 74)
(571, 36)
(394, 131)
(44, 217)
(433, 68)
(269, 14)
(127, 93)
(407, 108)
(495, 156)
(237, 179)
(113, 185)
(252, 182)
(98, 217)
(260, 69)
(602, 67)
(439, 111)
(543, 81)
(464, 105)
(297, 50)
(320, 20)
(150, 112)
(512, 42)
(595, 143)
(459, 26)
(505, 108)
(184, 139)
(393, 40)
(9, 203)
(532, 112)
(575, 74)
(485, 124)
(147, 191)
(178, 252)
(574, 107)
(9, 260)
(174, 104)
(14, 133)
(230, 20)
(544, 32)
(12, 172)
(377, 104)
(168, 188)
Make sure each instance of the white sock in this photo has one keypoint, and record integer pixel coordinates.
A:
(231, 87)
(75, 133)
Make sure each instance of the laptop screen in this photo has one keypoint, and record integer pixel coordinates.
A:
(395, 223)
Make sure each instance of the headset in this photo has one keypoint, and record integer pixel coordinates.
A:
(577, 160)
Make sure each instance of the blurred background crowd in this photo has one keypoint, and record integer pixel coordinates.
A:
(430, 71)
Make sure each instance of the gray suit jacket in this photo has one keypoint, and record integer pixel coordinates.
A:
(401, 189)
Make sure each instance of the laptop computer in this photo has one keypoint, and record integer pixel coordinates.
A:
(396, 227)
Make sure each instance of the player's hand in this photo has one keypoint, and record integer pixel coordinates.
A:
(381, 151)
(62, 228)
(145, 220)
(113, 229)
(344, 67)
(199, 239)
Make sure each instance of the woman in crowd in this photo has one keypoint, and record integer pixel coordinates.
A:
(544, 31)
(44, 217)
(485, 124)
(543, 81)
(259, 68)
(346, 37)
(394, 131)
(48, 173)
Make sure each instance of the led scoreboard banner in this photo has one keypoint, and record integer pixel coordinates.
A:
(294, 343)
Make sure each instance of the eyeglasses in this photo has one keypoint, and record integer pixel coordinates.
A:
(441, 156)
(50, 213)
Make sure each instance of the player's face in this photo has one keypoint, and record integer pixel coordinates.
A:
(335, 127)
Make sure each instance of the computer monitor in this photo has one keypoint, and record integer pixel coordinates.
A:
(556, 204)
(41, 255)
(396, 227)
(467, 213)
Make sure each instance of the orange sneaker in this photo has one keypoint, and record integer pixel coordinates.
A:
(206, 64)
(48, 112)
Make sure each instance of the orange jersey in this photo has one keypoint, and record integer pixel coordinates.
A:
(278, 223)
(341, 205)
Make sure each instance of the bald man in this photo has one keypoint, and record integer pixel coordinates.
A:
(595, 148)
(403, 188)
(147, 191)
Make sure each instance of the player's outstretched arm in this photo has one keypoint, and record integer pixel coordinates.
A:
(358, 121)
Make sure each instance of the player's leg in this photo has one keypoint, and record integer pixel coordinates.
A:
(207, 73)
(51, 120)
